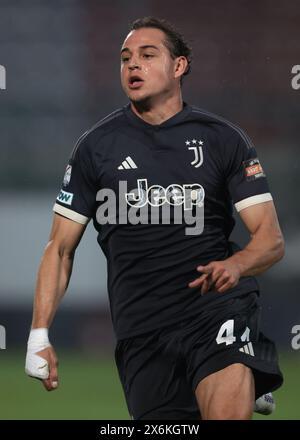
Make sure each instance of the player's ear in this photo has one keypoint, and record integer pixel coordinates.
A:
(180, 67)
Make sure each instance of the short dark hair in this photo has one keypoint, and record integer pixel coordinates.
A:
(175, 41)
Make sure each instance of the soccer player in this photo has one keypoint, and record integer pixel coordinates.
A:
(183, 298)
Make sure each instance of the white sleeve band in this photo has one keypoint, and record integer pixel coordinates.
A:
(254, 200)
(72, 215)
(35, 365)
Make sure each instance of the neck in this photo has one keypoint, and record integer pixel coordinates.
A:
(156, 113)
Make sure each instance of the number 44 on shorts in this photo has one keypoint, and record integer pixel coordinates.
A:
(264, 404)
(226, 335)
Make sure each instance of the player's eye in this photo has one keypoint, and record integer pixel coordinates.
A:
(125, 59)
(148, 55)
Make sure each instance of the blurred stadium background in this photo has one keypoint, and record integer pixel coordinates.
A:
(62, 64)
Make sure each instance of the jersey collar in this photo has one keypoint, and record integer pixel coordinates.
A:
(175, 119)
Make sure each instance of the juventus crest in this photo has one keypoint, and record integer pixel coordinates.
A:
(196, 146)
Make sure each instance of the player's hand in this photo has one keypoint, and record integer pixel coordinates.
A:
(219, 275)
(44, 367)
(41, 360)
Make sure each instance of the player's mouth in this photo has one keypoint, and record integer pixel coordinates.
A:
(135, 82)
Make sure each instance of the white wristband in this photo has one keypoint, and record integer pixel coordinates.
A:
(38, 339)
(35, 365)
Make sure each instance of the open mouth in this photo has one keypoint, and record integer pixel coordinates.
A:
(135, 82)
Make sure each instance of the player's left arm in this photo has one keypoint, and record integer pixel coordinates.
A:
(264, 249)
(266, 246)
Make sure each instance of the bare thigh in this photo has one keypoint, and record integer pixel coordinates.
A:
(228, 394)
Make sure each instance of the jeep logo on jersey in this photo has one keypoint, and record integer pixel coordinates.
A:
(196, 147)
(65, 197)
(152, 205)
(156, 195)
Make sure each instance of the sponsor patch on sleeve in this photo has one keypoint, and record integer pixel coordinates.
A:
(67, 176)
(65, 197)
(253, 169)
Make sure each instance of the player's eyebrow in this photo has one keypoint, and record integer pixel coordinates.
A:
(146, 46)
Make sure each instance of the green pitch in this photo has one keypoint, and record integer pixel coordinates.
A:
(90, 389)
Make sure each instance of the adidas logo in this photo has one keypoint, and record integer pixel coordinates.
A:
(127, 164)
(247, 349)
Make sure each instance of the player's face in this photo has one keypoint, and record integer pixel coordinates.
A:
(147, 68)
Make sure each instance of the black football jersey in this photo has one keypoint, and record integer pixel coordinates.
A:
(161, 198)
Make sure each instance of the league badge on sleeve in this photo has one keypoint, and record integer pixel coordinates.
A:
(67, 176)
(253, 169)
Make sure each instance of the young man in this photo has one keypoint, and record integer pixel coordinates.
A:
(158, 177)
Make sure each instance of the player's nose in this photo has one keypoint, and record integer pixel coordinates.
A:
(133, 63)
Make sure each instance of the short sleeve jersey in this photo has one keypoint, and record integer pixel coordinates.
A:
(143, 185)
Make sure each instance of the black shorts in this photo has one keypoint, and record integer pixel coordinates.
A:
(160, 370)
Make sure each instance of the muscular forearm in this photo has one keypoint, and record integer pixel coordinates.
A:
(52, 281)
(264, 249)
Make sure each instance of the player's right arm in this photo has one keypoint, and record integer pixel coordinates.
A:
(75, 205)
(52, 281)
